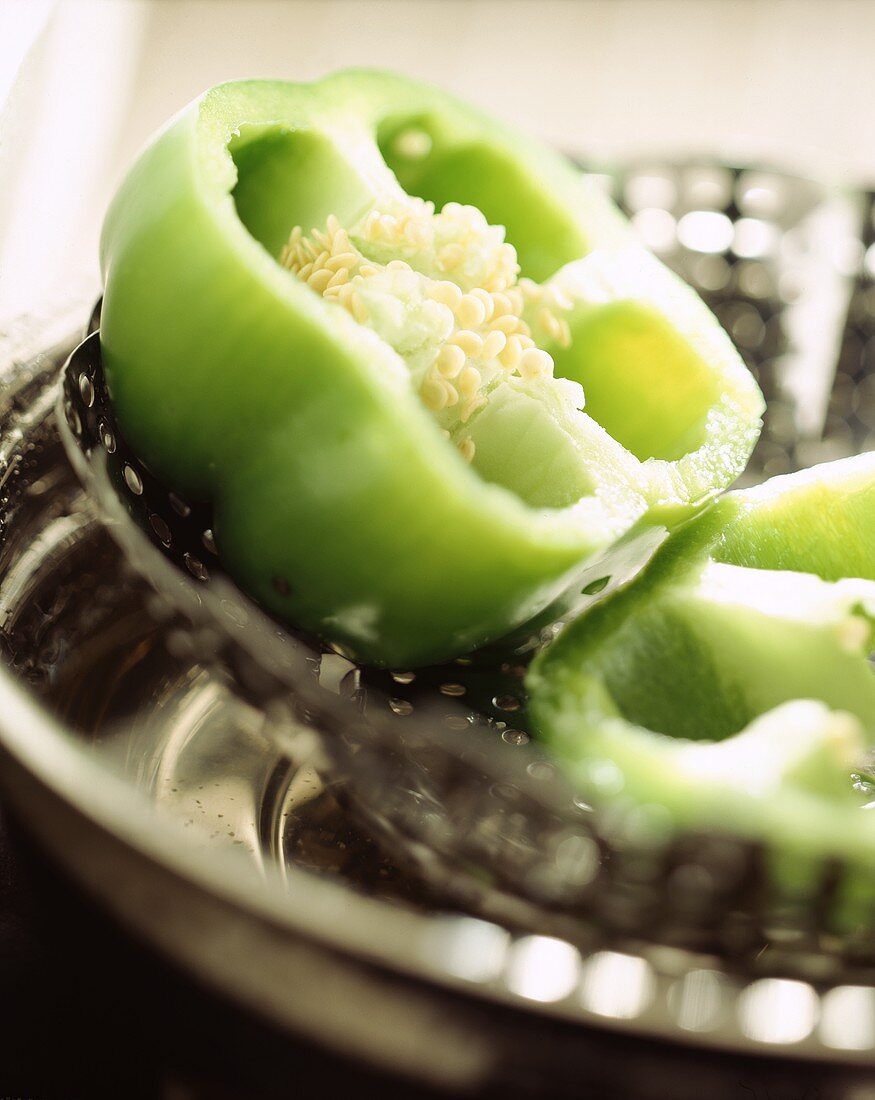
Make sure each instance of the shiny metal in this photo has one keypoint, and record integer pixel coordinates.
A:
(235, 797)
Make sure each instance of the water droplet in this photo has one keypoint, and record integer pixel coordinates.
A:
(457, 722)
(506, 702)
(541, 769)
(505, 791)
(595, 586)
(455, 691)
(401, 706)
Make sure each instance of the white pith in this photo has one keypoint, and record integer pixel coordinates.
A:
(443, 290)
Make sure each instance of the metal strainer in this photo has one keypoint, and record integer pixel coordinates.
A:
(439, 763)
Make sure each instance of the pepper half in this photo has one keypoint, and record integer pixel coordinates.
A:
(403, 466)
(728, 687)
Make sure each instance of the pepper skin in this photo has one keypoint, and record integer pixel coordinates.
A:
(339, 503)
(728, 687)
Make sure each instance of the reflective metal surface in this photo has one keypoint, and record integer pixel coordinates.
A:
(241, 807)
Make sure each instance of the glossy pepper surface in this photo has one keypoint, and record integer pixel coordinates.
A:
(728, 687)
(356, 317)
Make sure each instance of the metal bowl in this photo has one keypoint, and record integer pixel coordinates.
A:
(211, 813)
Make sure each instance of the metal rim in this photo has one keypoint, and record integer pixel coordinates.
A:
(658, 992)
(652, 993)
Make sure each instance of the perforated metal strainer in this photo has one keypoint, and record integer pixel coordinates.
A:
(439, 763)
(314, 839)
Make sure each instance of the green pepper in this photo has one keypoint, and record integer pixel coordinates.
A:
(728, 687)
(356, 316)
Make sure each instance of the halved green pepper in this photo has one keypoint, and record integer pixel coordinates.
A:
(362, 489)
(728, 687)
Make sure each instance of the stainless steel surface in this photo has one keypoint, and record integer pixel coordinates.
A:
(221, 820)
(430, 763)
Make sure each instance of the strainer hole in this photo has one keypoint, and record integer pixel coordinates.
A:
(133, 480)
(178, 505)
(196, 567)
(86, 388)
(160, 528)
(107, 438)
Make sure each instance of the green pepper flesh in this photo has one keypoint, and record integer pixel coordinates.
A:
(728, 687)
(338, 503)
